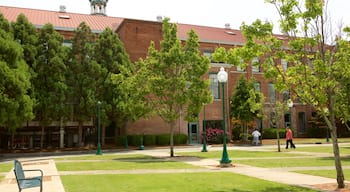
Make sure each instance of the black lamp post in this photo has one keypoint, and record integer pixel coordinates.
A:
(222, 78)
(99, 152)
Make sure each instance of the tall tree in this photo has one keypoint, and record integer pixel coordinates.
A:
(16, 106)
(317, 67)
(116, 66)
(25, 34)
(84, 73)
(176, 82)
(50, 83)
(246, 103)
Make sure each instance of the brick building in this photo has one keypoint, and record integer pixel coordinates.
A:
(136, 36)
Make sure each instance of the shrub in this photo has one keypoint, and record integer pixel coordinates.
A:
(180, 139)
(120, 140)
(270, 133)
(149, 140)
(163, 139)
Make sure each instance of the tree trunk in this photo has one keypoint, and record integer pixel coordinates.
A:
(278, 140)
(172, 125)
(80, 134)
(42, 137)
(338, 166)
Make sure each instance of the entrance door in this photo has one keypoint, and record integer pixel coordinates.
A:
(193, 134)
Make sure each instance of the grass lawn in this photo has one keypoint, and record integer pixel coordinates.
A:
(325, 173)
(118, 162)
(107, 157)
(344, 150)
(291, 162)
(189, 182)
(6, 167)
(238, 154)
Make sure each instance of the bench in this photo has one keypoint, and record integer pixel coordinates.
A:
(27, 182)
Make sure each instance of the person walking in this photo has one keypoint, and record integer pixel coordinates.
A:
(289, 138)
(256, 134)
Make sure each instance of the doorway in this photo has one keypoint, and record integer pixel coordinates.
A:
(193, 134)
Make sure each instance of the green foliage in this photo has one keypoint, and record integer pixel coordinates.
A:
(180, 139)
(151, 140)
(317, 72)
(25, 33)
(50, 80)
(15, 104)
(175, 77)
(163, 140)
(271, 133)
(83, 74)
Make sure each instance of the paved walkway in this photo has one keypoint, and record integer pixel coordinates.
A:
(52, 181)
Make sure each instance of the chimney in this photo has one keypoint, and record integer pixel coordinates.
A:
(227, 26)
(62, 8)
(159, 18)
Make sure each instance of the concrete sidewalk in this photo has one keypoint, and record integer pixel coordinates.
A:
(51, 181)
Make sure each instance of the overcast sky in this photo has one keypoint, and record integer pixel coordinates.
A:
(198, 12)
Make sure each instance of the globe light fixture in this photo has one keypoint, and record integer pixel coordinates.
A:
(222, 78)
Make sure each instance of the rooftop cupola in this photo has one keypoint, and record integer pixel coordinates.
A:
(98, 7)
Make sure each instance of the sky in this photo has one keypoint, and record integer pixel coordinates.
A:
(198, 12)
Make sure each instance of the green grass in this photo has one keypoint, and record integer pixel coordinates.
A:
(189, 182)
(107, 157)
(325, 173)
(121, 165)
(344, 150)
(6, 167)
(292, 162)
(238, 154)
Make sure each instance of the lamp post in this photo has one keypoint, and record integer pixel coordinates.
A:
(290, 105)
(99, 152)
(222, 78)
(204, 133)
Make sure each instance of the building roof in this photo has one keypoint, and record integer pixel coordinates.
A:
(61, 20)
(212, 34)
(70, 21)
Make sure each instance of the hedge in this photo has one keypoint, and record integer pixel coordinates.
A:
(151, 140)
(270, 133)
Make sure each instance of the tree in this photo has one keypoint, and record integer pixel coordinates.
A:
(246, 103)
(176, 82)
(16, 106)
(83, 77)
(25, 34)
(317, 72)
(50, 82)
(117, 68)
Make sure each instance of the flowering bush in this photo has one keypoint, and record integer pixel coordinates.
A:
(214, 135)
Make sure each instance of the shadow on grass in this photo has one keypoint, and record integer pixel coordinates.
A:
(152, 159)
(270, 189)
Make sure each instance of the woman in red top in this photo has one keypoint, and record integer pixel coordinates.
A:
(289, 138)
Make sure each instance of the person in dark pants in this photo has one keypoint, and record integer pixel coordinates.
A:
(289, 138)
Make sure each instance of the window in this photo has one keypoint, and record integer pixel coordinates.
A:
(214, 85)
(284, 64)
(255, 65)
(67, 43)
(209, 54)
(286, 96)
(301, 122)
(272, 93)
(257, 86)
(239, 66)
